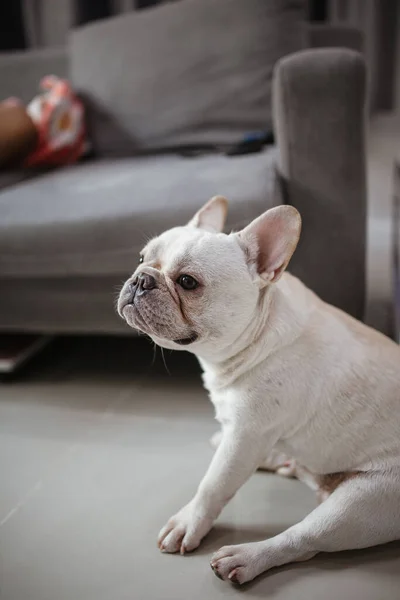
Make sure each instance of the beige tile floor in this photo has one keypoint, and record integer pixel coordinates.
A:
(98, 447)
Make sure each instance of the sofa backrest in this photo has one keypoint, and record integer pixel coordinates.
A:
(21, 72)
(190, 72)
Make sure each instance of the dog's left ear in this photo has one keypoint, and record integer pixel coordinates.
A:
(270, 240)
(212, 216)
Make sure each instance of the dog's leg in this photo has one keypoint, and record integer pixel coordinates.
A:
(235, 459)
(276, 461)
(216, 439)
(362, 511)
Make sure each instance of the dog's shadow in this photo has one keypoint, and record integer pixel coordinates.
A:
(383, 561)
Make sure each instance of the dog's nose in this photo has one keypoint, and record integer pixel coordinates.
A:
(146, 282)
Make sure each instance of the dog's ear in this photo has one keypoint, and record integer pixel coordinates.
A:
(270, 240)
(212, 216)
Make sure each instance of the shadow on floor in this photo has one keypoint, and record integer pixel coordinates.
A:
(379, 560)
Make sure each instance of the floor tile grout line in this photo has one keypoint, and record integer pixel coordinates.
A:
(31, 492)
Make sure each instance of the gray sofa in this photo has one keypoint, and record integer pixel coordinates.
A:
(69, 237)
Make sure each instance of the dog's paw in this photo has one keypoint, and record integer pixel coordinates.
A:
(239, 564)
(184, 532)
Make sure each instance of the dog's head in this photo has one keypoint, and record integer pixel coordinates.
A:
(197, 288)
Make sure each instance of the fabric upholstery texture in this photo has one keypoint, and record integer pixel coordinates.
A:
(183, 73)
(319, 98)
(21, 72)
(12, 177)
(93, 218)
(62, 304)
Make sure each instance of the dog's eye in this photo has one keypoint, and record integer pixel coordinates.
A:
(187, 282)
(141, 259)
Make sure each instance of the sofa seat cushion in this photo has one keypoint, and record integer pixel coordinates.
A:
(94, 217)
(9, 178)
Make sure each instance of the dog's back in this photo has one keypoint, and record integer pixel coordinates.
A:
(344, 381)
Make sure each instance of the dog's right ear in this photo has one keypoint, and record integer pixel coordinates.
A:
(270, 240)
(212, 216)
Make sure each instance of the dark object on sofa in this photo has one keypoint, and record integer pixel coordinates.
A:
(69, 238)
(18, 134)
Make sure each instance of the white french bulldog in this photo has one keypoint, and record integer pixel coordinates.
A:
(297, 385)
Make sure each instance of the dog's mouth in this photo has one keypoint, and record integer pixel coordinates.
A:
(186, 341)
(140, 323)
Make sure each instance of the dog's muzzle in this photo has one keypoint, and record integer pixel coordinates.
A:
(142, 284)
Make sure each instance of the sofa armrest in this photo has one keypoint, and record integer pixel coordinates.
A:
(21, 72)
(319, 108)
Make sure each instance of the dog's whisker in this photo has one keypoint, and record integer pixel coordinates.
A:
(154, 353)
(164, 361)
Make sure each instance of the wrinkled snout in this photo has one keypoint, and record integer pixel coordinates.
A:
(137, 286)
(143, 283)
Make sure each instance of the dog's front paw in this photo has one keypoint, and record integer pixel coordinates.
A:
(240, 563)
(184, 532)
